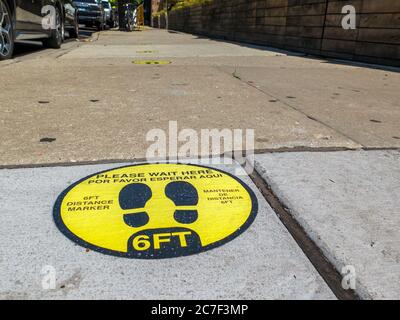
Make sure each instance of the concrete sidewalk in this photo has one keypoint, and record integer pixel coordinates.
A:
(349, 204)
(88, 108)
(262, 263)
(89, 86)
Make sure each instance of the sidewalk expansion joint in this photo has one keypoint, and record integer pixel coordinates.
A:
(327, 271)
(228, 154)
(69, 163)
(103, 161)
(304, 149)
(321, 149)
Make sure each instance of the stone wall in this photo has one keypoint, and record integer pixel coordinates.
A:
(310, 26)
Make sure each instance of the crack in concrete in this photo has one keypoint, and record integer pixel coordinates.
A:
(236, 76)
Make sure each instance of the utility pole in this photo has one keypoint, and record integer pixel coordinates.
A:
(166, 14)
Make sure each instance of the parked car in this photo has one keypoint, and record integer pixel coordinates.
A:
(22, 20)
(91, 13)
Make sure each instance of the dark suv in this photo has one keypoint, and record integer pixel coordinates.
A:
(23, 20)
(91, 13)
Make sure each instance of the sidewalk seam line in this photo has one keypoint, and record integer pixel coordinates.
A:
(255, 151)
(311, 250)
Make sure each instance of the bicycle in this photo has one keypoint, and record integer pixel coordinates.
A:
(130, 17)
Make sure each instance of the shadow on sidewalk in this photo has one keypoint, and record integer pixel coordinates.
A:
(322, 59)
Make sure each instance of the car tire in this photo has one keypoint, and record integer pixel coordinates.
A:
(57, 34)
(6, 32)
(100, 26)
(74, 33)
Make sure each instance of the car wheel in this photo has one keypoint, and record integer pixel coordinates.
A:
(74, 33)
(6, 32)
(57, 34)
(100, 26)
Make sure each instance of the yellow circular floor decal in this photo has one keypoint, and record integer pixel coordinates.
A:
(153, 62)
(154, 211)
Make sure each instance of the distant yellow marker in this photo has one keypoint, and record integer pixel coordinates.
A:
(146, 51)
(151, 62)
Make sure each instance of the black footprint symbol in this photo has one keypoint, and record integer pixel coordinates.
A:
(135, 196)
(183, 194)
